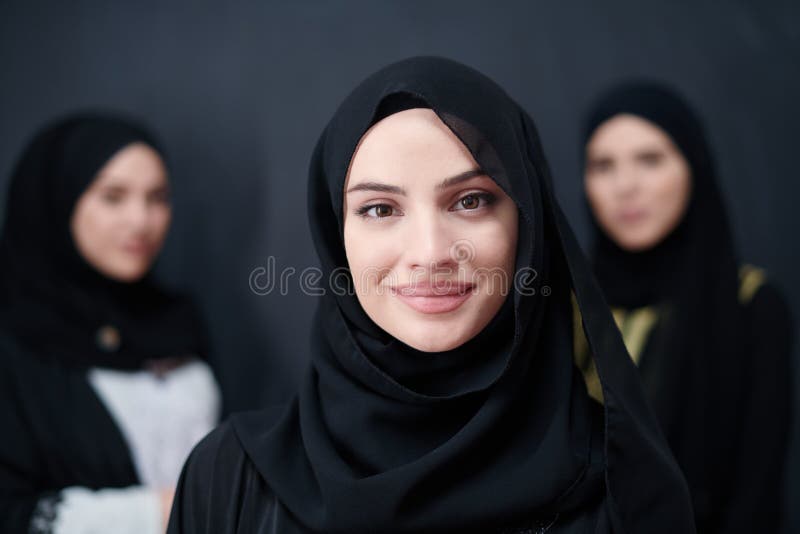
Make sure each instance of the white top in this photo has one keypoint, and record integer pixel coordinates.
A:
(161, 419)
(133, 510)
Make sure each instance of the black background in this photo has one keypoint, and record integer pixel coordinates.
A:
(240, 92)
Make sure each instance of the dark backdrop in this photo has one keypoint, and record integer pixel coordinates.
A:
(240, 93)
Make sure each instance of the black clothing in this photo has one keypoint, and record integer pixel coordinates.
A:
(59, 317)
(493, 436)
(57, 434)
(716, 369)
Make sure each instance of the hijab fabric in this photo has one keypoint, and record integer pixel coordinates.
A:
(381, 438)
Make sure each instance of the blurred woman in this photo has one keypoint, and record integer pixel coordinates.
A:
(441, 394)
(104, 384)
(711, 337)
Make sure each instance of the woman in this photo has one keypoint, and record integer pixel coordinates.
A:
(104, 388)
(712, 340)
(441, 394)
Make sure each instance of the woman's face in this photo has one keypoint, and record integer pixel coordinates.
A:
(637, 181)
(119, 223)
(430, 240)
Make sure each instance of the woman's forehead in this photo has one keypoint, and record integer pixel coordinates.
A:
(413, 140)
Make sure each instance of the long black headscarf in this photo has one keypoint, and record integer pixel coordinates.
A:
(694, 357)
(363, 448)
(51, 299)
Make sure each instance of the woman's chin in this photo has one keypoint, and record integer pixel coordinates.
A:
(125, 273)
(435, 338)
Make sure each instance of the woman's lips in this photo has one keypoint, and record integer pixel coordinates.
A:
(138, 248)
(432, 299)
(632, 216)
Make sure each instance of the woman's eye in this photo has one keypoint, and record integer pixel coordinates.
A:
(470, 202)
(473, 201)
(383, 210)
(599, 166)
(112, 198)
(377, 211)
(651, 159)
(159, 198)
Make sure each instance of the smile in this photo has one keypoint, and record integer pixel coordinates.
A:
(429, 299)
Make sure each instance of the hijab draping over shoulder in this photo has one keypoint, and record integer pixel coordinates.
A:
(496, 435)
(51, 300)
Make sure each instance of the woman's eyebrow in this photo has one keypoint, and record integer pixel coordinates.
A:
(444, 184)
(379, 187)
(648, 151)
(458, 178)
(112, 187)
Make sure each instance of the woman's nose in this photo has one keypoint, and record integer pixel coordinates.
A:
(429, 245)
(626, 180)
(137, 213)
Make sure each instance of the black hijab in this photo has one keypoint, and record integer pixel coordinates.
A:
(51, 300)
(380, 439)
(693, 360)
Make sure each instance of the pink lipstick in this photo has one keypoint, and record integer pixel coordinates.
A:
(426, 298)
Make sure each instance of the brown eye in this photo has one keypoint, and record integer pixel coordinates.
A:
(376, 211)
(382, 210)
(470, 202)
(473, 202)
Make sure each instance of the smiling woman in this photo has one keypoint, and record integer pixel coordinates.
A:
(437, 400)
(413, 189)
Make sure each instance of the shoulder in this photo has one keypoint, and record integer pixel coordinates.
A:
(221, 460)
(768, 298)
(762, 299)
(768, 317)
(225, 445)
(220, 489)
(757, 290)
(216, 455)
(212, 485)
